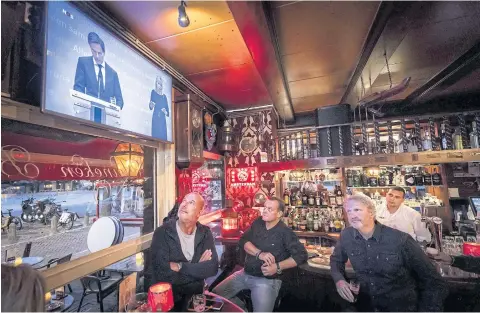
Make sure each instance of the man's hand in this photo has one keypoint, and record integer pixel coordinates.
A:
(174, 266)
(206, 256)
(267, 257)
(343, 289)
(151, 105)
(164, 111)
(269, 270)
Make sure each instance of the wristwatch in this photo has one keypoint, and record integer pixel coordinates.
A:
(279, 270)
(179, 266)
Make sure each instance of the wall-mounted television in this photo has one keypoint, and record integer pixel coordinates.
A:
(92, 76)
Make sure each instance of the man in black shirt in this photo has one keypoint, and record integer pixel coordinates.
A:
(183, 252)
(271, 248)
(393, 271)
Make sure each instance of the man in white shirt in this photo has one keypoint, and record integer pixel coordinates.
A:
(397, 215)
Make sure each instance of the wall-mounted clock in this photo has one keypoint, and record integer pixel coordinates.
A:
(248, 144)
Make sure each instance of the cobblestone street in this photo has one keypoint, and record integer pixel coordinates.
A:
(54, 246)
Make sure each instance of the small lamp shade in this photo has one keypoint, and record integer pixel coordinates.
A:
(160, 297)
(230, 227)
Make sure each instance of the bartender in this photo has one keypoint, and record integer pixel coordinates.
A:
(397, 215)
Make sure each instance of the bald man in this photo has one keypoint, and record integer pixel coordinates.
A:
(183, 252)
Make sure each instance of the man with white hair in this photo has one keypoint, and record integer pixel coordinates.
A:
(183, 252)
(393, 272)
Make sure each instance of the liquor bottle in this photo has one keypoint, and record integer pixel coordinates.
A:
(293, 222)
(338, 196)
(382, 180)
(372, 180)
(316, 221)
(337, 224)
(363, 180)
(474, 144)
(299, 199)
(296, 220)
(349, 178)
(332, 198)
(318, 200)
(397, 180)
(419, 177)
(293, 198)
(356, 179)
(286, 196)
(427, 178)
(311, 199)
(457, 139)
(304, 198)
(427, 141)
(436, 178)
(412, 144)
(409, 178)
(443, 137)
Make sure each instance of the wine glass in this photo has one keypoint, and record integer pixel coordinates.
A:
(355, 288)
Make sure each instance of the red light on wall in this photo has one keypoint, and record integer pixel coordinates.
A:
(239, 177)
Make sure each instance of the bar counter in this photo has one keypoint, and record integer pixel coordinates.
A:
(314, 288)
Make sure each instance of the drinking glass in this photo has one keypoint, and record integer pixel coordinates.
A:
(355, 288)
(199, 302)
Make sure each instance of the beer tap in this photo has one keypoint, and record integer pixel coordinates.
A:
(434, 225)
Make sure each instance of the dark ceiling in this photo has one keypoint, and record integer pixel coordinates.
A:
(302, 55)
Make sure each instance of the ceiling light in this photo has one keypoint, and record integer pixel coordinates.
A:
(183, 19)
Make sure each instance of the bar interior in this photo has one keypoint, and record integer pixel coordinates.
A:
(235, 145)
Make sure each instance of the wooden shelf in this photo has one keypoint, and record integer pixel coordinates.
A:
(312, 234)
(409, 158)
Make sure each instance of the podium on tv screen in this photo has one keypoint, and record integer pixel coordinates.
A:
(93, 109)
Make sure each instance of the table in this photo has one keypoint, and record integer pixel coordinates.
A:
(66, 303)
(31, 260)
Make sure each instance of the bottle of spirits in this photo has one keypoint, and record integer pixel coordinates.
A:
(299, 198)
(363, 179)
(349, 178)
(304, 198)
(457, 139)
(318, 201)
(311, 199)
(474, 143)
(443, 137)
(427, 178)
(332, 198)
(372, 180)
(409, 178)
(337, 223)
(293, 198)
(412, 144)
(286, 196)
(427, 141)
(356, 179)
(310, 220)
(477, 227)
(316, 221)
(382, 180)
(436, 178)
(286, 218)
(338, 196)
(419, 177)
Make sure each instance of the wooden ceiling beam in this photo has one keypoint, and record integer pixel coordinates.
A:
(384, 13)
(255, 22)
(452, 73)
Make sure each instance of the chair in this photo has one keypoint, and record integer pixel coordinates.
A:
(26, 252)
(102, 288)
(61, 260)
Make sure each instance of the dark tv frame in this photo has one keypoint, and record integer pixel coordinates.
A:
(44, 110)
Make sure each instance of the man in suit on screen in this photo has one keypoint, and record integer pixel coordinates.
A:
(96, 78)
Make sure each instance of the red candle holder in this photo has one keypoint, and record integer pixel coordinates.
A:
(230, 227)
(160, 297)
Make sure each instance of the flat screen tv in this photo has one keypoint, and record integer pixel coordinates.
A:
(91, 75)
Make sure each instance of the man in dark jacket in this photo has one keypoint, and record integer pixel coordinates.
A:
(183, 252)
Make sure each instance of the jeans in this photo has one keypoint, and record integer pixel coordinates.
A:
(264, 291)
